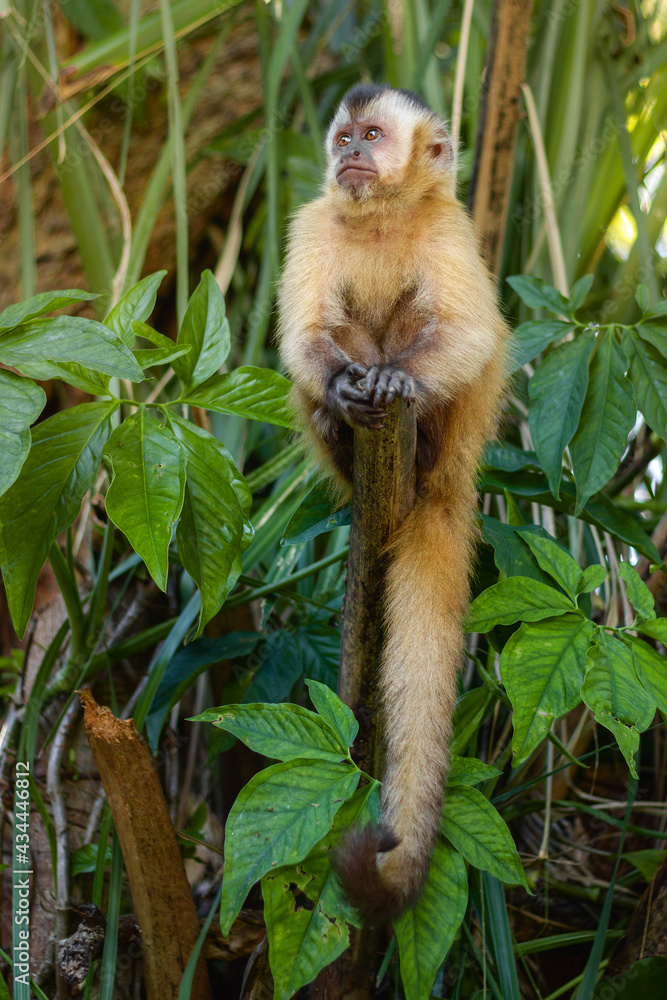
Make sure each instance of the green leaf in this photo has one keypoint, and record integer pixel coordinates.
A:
(39, 304)
(553, 559)
(329, 706)
(530, 339)
(516, 599)
(648, 374)
(318, 513)
(654, 629)
(205, 329)
(257, 393)
(592, 578)
(507, 457)
(147, 490)
(210, 532)
(146, 357)
(83, 859)
(658, 308)
(654, 334)
(135, 305)
(477, 830)
(284, 732)
(557, 391)
(647, 861)
(537, 294)
(639, 595)
(542, 666)
(70, 372)
(69, 338)
(607, 418)
(471, 709)
(426, 933)
(579, 291)
(645, 979)
(651, 668)
(186, 666)
(469, 771)
(612, 691)
(277, 819)
(510, 554)
(21, 402)
(304, 909)
(643, 297)
(45, 499)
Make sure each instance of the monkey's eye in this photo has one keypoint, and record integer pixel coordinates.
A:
(343, 140)
(373, 133)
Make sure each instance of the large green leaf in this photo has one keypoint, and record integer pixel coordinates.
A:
(557, 391)
(284, 732)
(70, 372)
(553, 559)
(41, 303)
(529, 339)
(648, 374)
(69, 338)
(210, 533)
(258, 393)
(205, 330)
(303, 906)
(509, 553)
(516, 599)
(606, 420)
(21, 402)
(45, 499)
(480, 834)
(277, 819)
(651, 667)
(612, 691)
(425, 933)
(542, 666)
(469, 771)
(146, 493)
(135, 306)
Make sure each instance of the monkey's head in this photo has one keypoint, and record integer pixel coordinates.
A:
(385, 144)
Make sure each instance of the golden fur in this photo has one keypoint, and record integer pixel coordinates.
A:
(392, 274)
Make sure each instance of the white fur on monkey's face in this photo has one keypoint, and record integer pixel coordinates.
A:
(383, 132)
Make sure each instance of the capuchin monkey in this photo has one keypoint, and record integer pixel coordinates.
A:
(384, 294)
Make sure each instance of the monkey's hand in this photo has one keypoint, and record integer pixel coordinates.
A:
(383, 383)
(349, 402)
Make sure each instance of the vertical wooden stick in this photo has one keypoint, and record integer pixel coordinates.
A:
(383, 493)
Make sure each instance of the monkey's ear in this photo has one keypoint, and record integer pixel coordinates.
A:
(442, 152)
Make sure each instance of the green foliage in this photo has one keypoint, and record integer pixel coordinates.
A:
(163, 470)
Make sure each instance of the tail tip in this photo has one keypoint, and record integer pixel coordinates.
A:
(355, 863)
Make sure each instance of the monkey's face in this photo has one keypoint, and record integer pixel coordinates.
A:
(359, 150)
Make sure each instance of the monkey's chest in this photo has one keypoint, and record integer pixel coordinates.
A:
(384, 314)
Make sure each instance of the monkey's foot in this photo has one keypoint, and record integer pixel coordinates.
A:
(383, 383)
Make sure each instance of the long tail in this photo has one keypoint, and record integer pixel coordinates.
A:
(383, 869)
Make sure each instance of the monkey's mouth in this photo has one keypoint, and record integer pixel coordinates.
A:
(355, 172)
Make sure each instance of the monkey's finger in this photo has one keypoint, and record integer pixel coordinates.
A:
(372, 376)
(381, 387)
(394, 388)
(357, 370)
(408, 390)
(353, 393)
